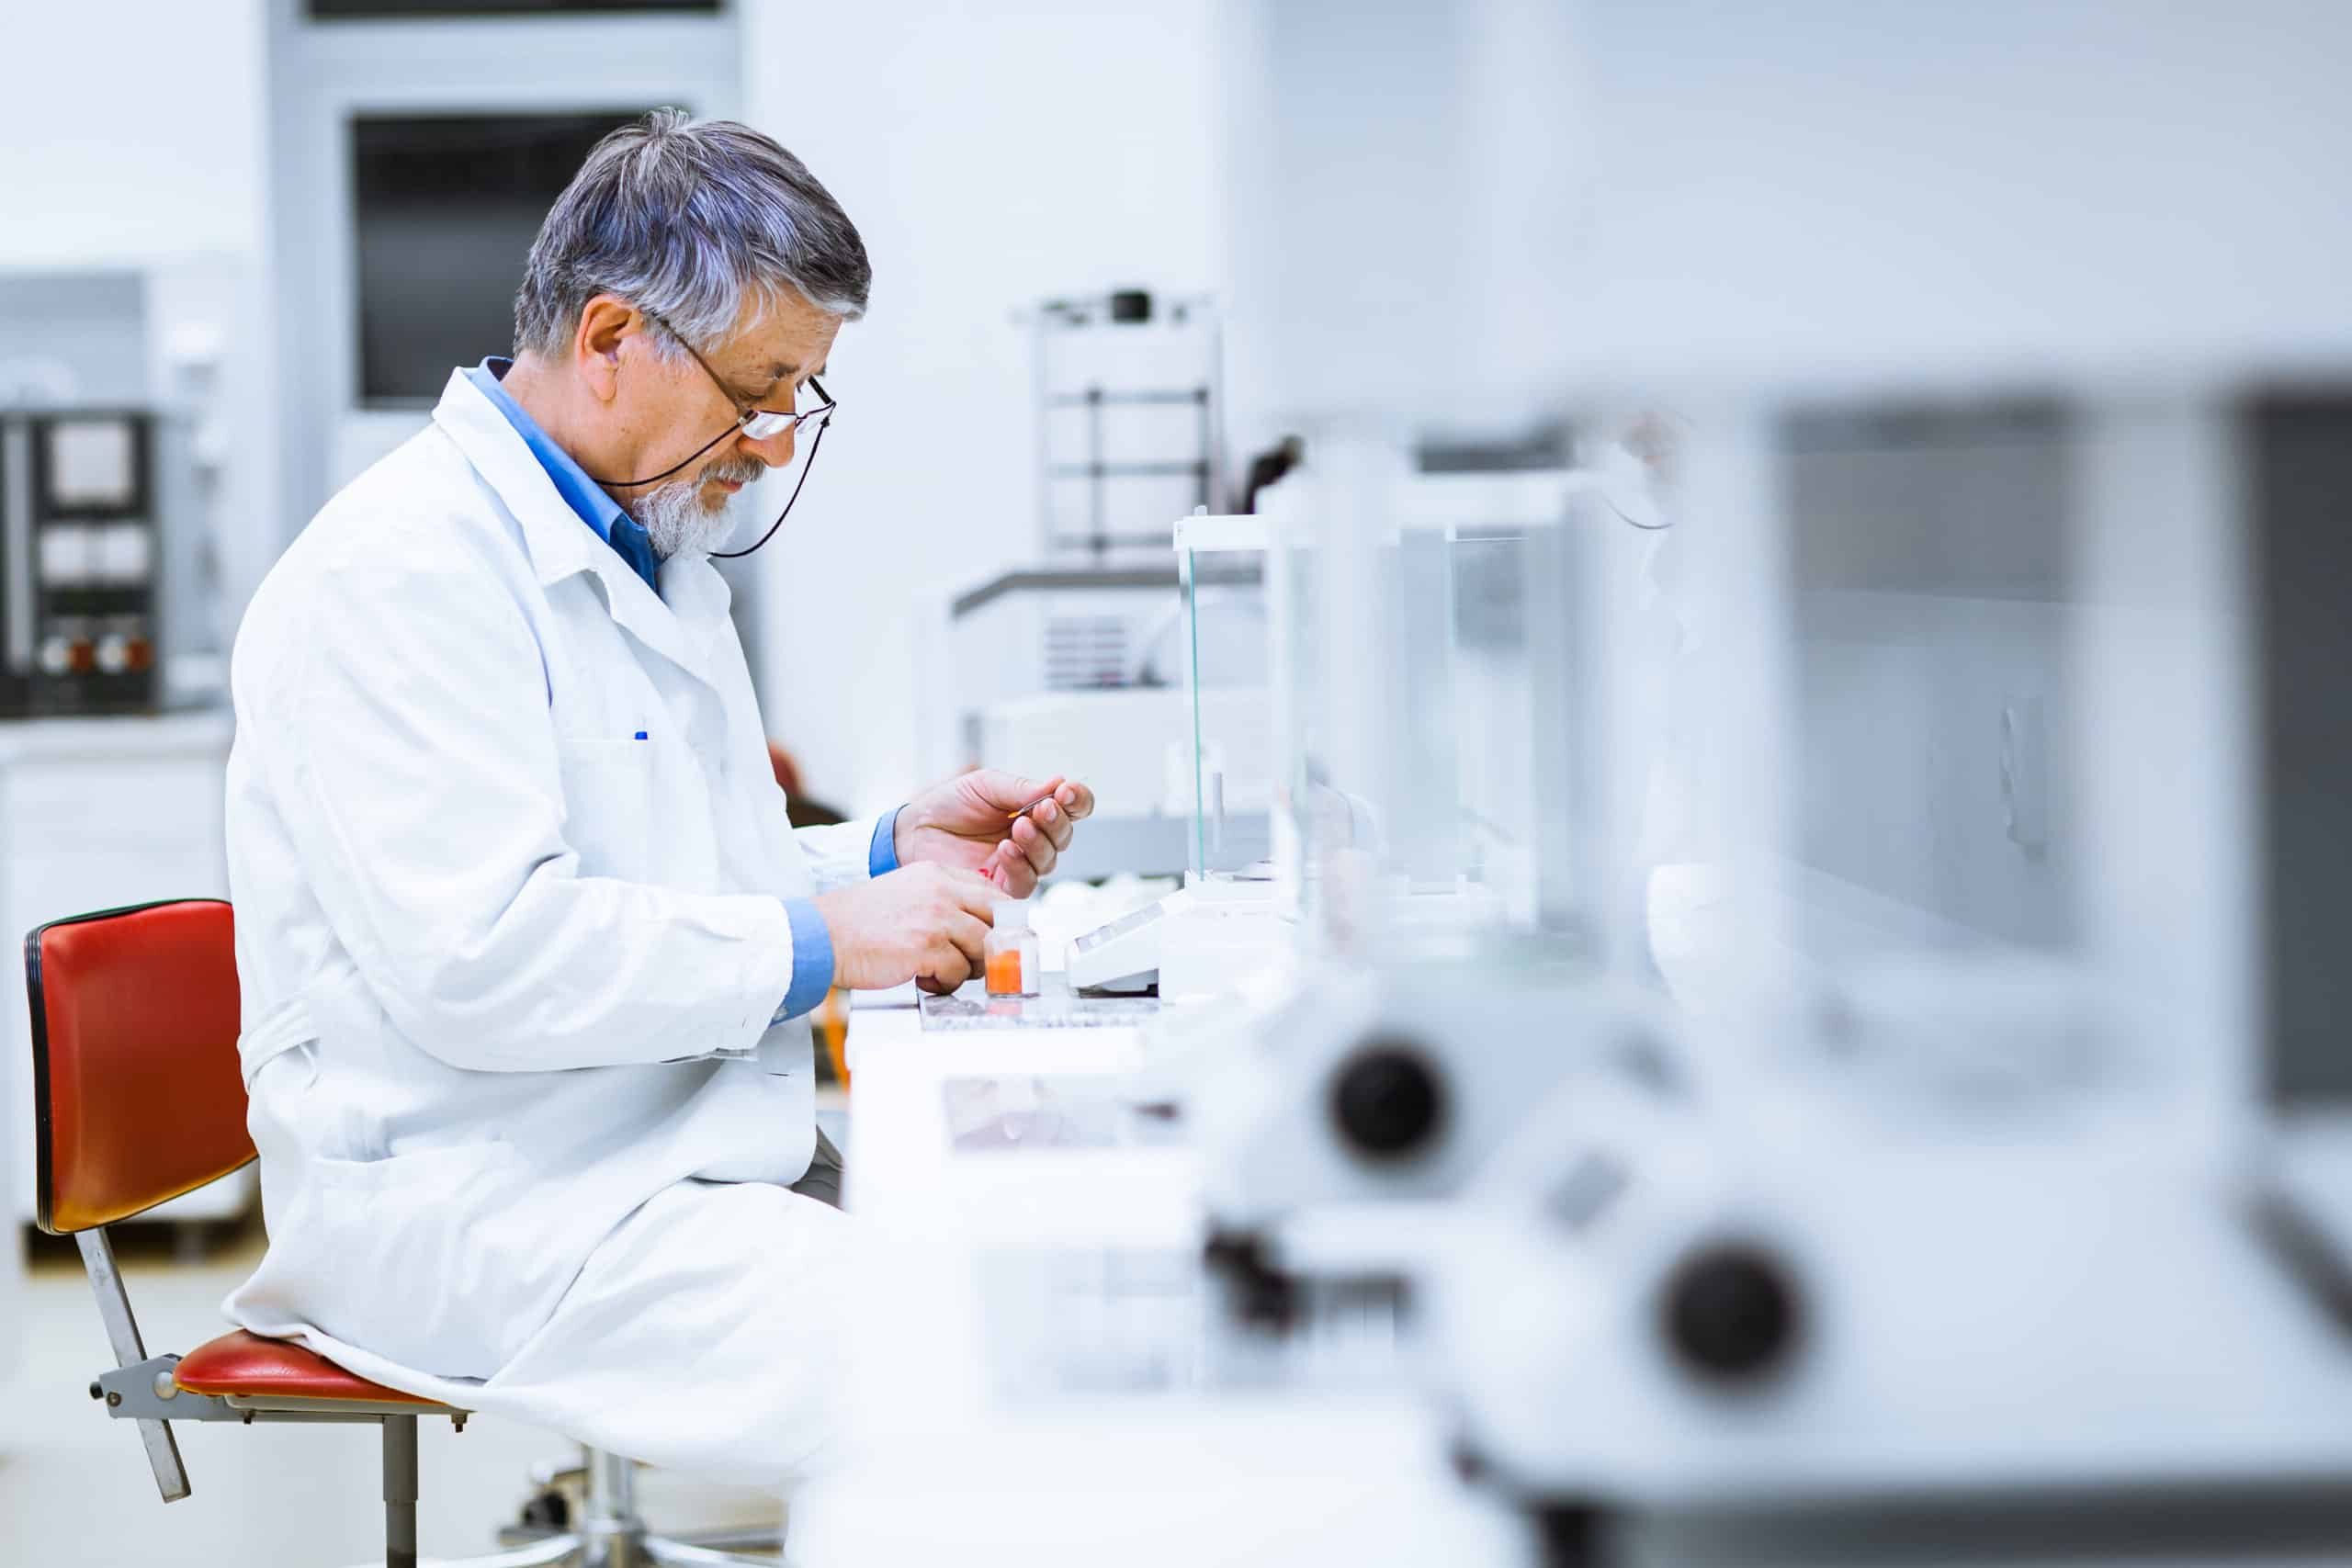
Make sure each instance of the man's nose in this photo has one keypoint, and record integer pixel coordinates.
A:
(776, 451)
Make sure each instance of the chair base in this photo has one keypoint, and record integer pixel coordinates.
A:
(639, 1551)
(609, 1534)
(627, 1548)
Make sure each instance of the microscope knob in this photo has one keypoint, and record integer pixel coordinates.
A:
(1388, 1101)
(1731, 1312)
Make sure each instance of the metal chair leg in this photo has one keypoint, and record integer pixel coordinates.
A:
(609, 1526)
(399, 1491)
(122, 1334)
(400, 1515)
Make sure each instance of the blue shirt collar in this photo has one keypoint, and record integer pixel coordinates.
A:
(582, 495)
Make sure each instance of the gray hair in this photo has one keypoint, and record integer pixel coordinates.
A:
(685, 221)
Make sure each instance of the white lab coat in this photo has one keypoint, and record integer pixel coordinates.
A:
(479, 923)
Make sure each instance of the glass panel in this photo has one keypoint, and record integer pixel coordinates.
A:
(1934, 872)
(1932, 618)
(1429, 689)
(1221, 564)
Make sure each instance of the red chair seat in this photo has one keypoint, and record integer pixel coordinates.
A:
(250, 1367)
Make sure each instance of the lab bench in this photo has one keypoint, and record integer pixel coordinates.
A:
(1034, 1373)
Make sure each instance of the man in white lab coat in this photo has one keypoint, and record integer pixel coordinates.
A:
(524, 937)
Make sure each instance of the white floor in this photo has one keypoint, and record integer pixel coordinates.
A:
(75, 1490)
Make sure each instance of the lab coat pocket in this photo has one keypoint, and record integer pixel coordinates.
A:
(447, 1270)
(607, 804)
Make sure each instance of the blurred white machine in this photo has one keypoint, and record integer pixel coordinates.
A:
(1994, 872)
(1201, 941)
(1889, 1103)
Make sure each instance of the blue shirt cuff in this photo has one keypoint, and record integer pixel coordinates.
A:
(883, 857)
(812, 959)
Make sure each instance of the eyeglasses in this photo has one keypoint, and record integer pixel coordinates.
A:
(760, 424)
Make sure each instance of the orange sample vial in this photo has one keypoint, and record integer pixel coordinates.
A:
(1010, 953)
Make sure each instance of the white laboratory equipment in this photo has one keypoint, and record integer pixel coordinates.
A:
(1876, 1092)
(1474, 572)
(1205, 939)
(1230, 919)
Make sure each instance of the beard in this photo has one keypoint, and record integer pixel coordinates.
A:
(676, 519)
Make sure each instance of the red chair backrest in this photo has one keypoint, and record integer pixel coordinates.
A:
(137, 1095)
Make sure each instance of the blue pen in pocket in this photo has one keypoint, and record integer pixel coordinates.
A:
(640, 735)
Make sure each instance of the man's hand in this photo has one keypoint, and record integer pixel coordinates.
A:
(925, 923)
(969, 822)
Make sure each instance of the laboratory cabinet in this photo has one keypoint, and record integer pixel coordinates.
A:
(96, 813)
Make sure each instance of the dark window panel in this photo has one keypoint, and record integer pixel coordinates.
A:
(446, 208)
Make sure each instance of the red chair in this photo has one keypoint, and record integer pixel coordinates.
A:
(137, 1098)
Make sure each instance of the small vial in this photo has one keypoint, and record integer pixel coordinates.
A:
(1012, 952)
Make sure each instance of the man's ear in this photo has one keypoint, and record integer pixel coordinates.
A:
(606, 323)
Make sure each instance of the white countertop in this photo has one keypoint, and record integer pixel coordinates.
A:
(901, 1164)
(1013, 1238)
(116, 735)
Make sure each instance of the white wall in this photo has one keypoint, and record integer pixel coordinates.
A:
(991, 154)
(1838, 193)
(130, 138)
(130, 129)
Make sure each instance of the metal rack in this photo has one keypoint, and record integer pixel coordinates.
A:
(1106, 527)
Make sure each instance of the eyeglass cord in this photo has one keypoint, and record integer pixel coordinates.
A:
(824, 423)
(807, 463)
